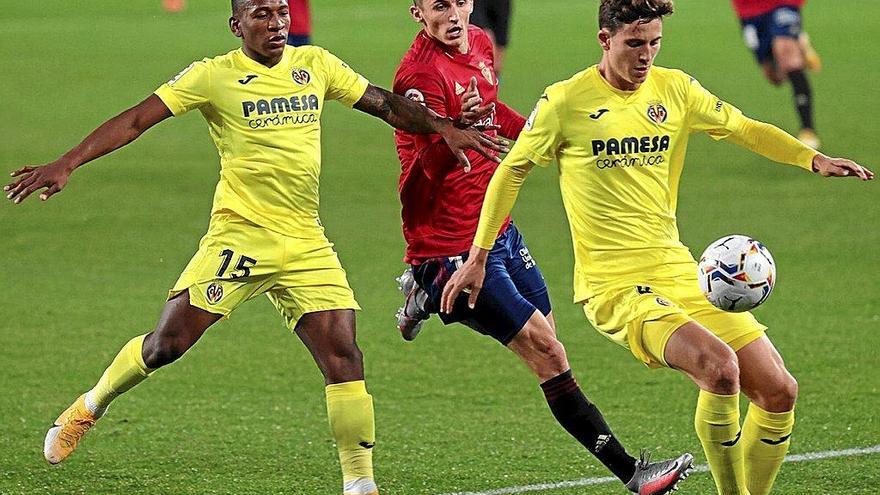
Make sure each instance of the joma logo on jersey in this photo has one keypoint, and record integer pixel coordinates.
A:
(280, 105)
(631, 144)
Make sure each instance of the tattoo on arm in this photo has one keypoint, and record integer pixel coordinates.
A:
(401, 113)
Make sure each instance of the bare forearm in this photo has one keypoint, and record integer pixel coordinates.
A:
(117, 132)
(110, 136)
(401, 113)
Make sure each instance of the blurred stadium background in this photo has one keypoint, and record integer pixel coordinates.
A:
(243, 413)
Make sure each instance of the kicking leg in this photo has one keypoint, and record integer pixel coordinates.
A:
(713, 366)
(179, 327)
(772, 73)
(330, 337)
(789, 58)
(770, 420)
(536, 344)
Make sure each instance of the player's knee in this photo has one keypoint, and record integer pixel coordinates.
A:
(725, 379)
(789, 393)
(789, 59)
(552, 354)
(344, 363)
(792, 66)
(546, 358)
(721, 371)
(783, 394)
(162, 350)
(349, 353)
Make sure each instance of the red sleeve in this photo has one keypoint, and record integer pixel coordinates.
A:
(432, 155)
(510, 120)
(300, 17)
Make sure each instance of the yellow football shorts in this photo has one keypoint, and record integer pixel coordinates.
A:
(238, 260)
(643, 317)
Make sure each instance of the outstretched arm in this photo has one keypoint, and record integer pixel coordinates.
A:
(772, 142)
(721, 120)
(110, 136)
(406, 115)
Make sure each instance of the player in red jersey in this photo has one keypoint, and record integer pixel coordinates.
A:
(300, 23)
(772, 30)
(450, 69)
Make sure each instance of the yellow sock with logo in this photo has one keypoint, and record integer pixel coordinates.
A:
(350, 410)
(126, 371)
(766, 438)
(717, 425)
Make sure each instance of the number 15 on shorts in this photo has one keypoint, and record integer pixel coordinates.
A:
(242, 267)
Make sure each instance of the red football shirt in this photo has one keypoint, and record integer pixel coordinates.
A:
(752, 8)
(441, 203)
(300, 17)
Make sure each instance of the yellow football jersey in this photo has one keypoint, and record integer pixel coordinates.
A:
(266, 124)
(620, 157)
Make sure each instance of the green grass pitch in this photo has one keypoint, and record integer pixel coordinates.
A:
(243, 412)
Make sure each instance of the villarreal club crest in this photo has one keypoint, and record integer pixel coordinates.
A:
(657, 112)
(301, 76)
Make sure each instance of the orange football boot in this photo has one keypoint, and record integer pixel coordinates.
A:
(63, 437)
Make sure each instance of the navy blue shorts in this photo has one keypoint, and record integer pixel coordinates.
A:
(298, 39)
(512, 290)
(759, 32)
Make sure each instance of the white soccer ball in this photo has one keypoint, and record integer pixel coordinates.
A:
(736, 273)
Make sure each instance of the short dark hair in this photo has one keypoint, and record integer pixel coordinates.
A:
(237, 5)
(615, 13)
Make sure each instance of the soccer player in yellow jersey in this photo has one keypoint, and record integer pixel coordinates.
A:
(619, 132)
(263, 104)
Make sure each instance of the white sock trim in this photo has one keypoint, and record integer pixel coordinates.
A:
(360, 486)
(92, 405)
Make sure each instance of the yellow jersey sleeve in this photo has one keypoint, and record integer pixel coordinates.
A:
(537, 145)
(343, 83)
(773, 143)
(708, 113)
(540, 138)
(721, 120)
(500, 197)
(188, 90)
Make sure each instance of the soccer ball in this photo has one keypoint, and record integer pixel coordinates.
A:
(736, 273)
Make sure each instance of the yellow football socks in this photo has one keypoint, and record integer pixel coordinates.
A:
(126, 371)
(717, 425)
(766, 438)
(350, 410)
